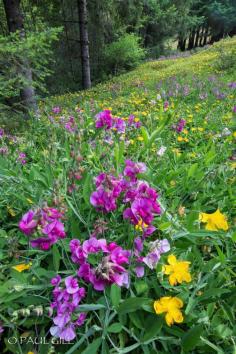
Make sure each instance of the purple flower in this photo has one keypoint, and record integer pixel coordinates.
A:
(47, 222)
(80, 320)
(56, 110)
(71, 285)
(119, 125)
(56, 281)
(66, 302)
(156, 248)
(132, 169)
(28, 224)
(180, 125)
(104, 119)
(109, 267)
(139, 270)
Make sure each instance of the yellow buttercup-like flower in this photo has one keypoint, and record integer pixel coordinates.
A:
(21, 267)
(172, 306)
(178, 271)
(215, 221)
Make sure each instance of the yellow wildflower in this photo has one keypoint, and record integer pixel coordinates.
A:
(140, 225)
(11, 211)
(172, 306)
(234, 134)
(21, 267)
(140, 138)
(180, 138)
(177, 270)
(215, 221)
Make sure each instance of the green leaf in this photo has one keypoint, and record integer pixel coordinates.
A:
(91, 307)
(132, 304)
(87, 189)
(115, 295)
(115, 328)
(153, 325)
(192, 338)
(192, 170)
(56, 257)
(93, 347)
(145, 135)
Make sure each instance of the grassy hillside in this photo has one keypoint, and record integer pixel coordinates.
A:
(170, 288)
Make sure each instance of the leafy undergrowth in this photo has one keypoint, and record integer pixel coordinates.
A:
(151, 267)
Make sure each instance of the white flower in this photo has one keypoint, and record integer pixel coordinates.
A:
(161, 151)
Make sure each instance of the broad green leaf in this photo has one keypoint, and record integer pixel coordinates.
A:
(56, 257)
(115, 295)
(192, 338)
(93, 347)
(153, 325)
(132, 304)
(91, 307)
(115, 328)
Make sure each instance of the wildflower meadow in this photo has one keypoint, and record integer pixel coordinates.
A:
(117, 219)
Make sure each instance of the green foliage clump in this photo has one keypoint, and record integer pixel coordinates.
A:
(226, 59)
(125, 53)
(16, 54)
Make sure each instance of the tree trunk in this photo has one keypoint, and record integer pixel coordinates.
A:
(191, 40)
(84, 43)
(15, 23)
(196, 44)
(181, 44)
(205, 35)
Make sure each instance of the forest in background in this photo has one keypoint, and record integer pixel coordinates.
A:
(56, 47)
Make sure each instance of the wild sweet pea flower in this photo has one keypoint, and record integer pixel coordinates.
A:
(108, 269)
(4, 150)
(66, 299)
(45, 222)
(104, 119)
(107, 192)
(178, 271)
(215, 221)
(156, 249)
(171, 306)
(161, 151)
(132, 169)
(143, 207)
(179, 126)
(119, 125)
(56, 110)
(22, 158)
(28, 222)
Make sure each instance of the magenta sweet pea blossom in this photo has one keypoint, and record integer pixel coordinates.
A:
(45, 223)
(109, 268)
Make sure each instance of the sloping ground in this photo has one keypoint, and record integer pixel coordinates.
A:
(199, 64)
(177, 117)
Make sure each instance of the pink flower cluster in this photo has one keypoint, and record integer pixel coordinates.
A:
(46, 221)
(142, 199)
(105, 120)
(66, 301)
(100, 264)
(22, 158)
(108, 190)
(179, 126)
